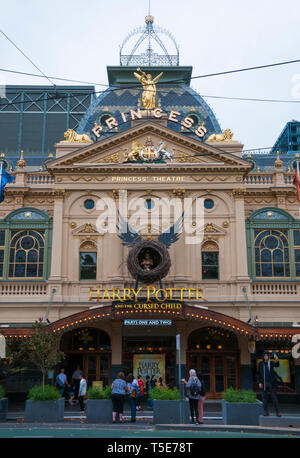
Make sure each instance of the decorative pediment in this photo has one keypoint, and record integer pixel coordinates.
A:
(210, 230)
(86, 232)
(125, 150)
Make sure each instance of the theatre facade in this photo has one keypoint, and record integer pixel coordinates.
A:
(91, 242)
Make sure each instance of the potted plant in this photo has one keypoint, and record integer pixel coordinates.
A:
(167, 407)
(44, 405)
(3, 404)
(99, 405)
(42, 349)
(241, 407)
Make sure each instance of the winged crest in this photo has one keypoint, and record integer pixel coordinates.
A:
(130, 237)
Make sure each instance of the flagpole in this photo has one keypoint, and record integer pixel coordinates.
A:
(1, 165)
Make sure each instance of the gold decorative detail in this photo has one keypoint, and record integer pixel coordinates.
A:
(2, 155)
(180, 193)
(50, 156)
(73, 225)
(115, 194)
(59, 179)
(209, 245)
(58, 193)
(21, 161)
(238, 192)
(209, 228)
(225, 224)
(225, 136)
(72, 137)
(88, 229)
(87, 245)
(149, 192)
(278, 163)
(149, 86)
(112, 158)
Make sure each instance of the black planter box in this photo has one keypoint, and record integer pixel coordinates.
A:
(3, 409)
(44, 411)
(241, 413)
(168, 412)
(99, 410)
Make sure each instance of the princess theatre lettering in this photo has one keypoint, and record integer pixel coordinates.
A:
(220, 266)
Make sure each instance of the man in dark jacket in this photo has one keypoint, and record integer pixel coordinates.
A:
(267, 379)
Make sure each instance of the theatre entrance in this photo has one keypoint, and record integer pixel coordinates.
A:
(214, 354)
(88, 348)
(150, 350)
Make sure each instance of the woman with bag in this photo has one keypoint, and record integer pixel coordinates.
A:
(119, 389)
(133, 392)
(193, 387)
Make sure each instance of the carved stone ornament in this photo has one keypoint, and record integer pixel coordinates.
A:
(225, 136)
(72, 137)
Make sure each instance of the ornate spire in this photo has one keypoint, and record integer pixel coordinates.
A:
(21, 161)
(278, 163)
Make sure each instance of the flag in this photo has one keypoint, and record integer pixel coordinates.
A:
(4, 179)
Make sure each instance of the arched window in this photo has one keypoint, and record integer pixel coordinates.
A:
(272, 258)
(25, 244)
(273, 239)
(26, 254)
(210, 261)
(88, 261)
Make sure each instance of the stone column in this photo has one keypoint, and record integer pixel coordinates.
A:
(116, 348)
(240, 236)
(245, 364)
(57, 237)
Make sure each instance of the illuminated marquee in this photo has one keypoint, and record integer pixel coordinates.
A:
(157, 113)
(146, 294)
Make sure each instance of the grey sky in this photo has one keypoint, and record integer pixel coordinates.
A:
(77, 39)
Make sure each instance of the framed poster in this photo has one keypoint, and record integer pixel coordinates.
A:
(149, 365)
(283, 370)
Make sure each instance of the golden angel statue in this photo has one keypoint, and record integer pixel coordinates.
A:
(149, 85)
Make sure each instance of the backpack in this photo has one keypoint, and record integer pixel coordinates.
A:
(136, 392)
(194, 390)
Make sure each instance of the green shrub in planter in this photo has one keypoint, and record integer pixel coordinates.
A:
(162, 393)
(233, 395)
(96, 393)
(2, 392)
(48, 393)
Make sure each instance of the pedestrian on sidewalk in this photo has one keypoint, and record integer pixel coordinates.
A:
(193, 387)
(76, 380)
(201, 400)
(142, 387)
(147, 391)
(82, 392)
(119, 389)
(71, 392)
(133, 392)
(267, 378)
(61, 382)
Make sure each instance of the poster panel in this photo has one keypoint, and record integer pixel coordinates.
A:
(283, 370)
(149, 365)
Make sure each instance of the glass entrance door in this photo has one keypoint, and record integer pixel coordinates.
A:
(218, 371)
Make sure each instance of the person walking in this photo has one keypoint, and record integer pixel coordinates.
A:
(201, 401)
(141, 387)
(82, 392)
(71, 393)
(267, 379)
(76, 380)
(193, 387)
(153, 381)
(119, 389)
(147, 391)
(133, 392)
(61, 382)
